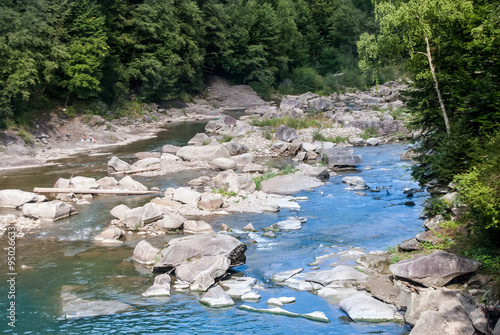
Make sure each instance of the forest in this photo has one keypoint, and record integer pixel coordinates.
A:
(104, 54)
(108, 52)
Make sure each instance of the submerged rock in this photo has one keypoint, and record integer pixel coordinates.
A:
(75, 307)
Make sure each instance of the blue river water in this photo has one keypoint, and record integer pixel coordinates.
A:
(336, 219)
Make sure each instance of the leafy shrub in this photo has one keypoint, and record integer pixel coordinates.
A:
(436, 206)
(306, 79)
(369, 133)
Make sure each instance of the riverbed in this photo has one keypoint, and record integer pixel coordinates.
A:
(337, 219)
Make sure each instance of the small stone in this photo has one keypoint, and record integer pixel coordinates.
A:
(274, 302)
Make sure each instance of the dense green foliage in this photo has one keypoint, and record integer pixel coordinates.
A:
(452, 51)
(84, 52)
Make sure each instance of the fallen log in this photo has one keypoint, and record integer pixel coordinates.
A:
(136, 171)
(90, 191)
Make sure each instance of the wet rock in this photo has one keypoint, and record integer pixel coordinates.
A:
(363, 308)
(110, 233)
(217, 298)
(145, 253)
(16, 198)
(435, 269)
(238, 286)
(201, 273)
(197, 227)
(282, 276)
(187, 196)
(160, 288)
(249, 227)
(75, 307)
(373, 141)
(225, 227)
(179, 250)
(128, 183)
(223, 164)
(117, 165)
(269, 234)
(285, 134)
(274, 302)
(210, 202)
(290, 224)
(203, 153)
(52, 210)
(289, 184)
(251, 296)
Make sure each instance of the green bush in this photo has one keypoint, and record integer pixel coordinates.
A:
(369, 133)
(306, 79)
(436, 206)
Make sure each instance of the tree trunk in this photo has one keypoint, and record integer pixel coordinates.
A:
(436, 84)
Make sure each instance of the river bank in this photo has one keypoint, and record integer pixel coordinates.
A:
(363, 206)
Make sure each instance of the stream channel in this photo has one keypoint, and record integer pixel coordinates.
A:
(63, 254)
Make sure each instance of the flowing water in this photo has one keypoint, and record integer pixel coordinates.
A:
(336, 219)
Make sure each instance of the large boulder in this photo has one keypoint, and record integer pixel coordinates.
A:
(151, 213)
(288, 104)
(81, 183)
(289, 184)
(145, 253)
(120, 211)
(437, 312)
(117, 165)
(201, 273)
(133, 219)
(243, 159)
(232, 182)
(285, 134)
(187, 195)
(172, 220)
(203, 153)
(340, 157)
(217, 298)
(210, 202)
(223, 164)
(16, 198)
(180, 250)
(362, 307)
(52, 210)
(436, 269)
(228, 125)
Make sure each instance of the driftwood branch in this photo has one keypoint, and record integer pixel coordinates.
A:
(90, 191)
(136, 171)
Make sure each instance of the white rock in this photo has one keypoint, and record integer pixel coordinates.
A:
(274, 302)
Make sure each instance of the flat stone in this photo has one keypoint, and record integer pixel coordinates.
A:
(286, 300)
(282, 276)
(197, 227)
(436, 269)
(290, 225)
(217, 298)
(363, 308)
(251, 295)
(238, 286)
